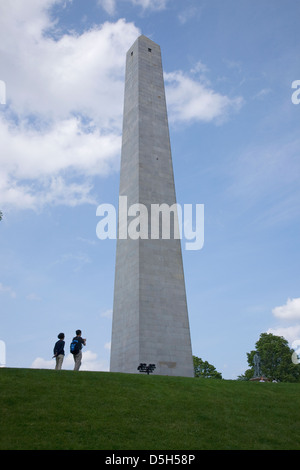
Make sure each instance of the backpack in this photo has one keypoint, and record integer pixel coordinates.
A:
(74, 346)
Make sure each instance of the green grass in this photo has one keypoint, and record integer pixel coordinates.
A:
(45, 409)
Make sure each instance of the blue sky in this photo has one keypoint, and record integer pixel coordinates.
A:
(229, 68)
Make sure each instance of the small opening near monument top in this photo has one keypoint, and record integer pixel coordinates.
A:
(149, 49)
(131, 52)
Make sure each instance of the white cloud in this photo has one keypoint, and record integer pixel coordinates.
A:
(151, 4)
(107, 314)
(262, 93)
(40, 363)
(90, 362)
(7, 290)
(76, 261)
(34, 164)
(2, 92)
(33, 297)
(189, 13)
(192, 100)
(267, 166)
(108, 5)
(62, 122)
(266, 175)
(155, 5)
(64, 105)
(290, 333)
(287, 314)
(66, 145)
(289, 311)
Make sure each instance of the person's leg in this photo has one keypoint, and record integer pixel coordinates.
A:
(77, 360)
(59, 361)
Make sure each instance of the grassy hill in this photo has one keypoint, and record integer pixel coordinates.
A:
(45, 409)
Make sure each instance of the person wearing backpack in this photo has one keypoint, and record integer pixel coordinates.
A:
(58, 351)
(75, 349)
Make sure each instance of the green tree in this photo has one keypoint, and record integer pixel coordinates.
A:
(1, 215)
(276, 359)
(205, 370)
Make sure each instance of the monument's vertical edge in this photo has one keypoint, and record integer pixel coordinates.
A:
(150, 319)
(125, 328)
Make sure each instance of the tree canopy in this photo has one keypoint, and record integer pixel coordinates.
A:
(205, 370)
(276, 359)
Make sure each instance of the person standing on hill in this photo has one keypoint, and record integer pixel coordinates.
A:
(78, 354)
(59, 351)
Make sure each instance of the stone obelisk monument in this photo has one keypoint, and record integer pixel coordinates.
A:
(150, 318)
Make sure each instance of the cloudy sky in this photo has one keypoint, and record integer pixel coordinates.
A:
(229, 68)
